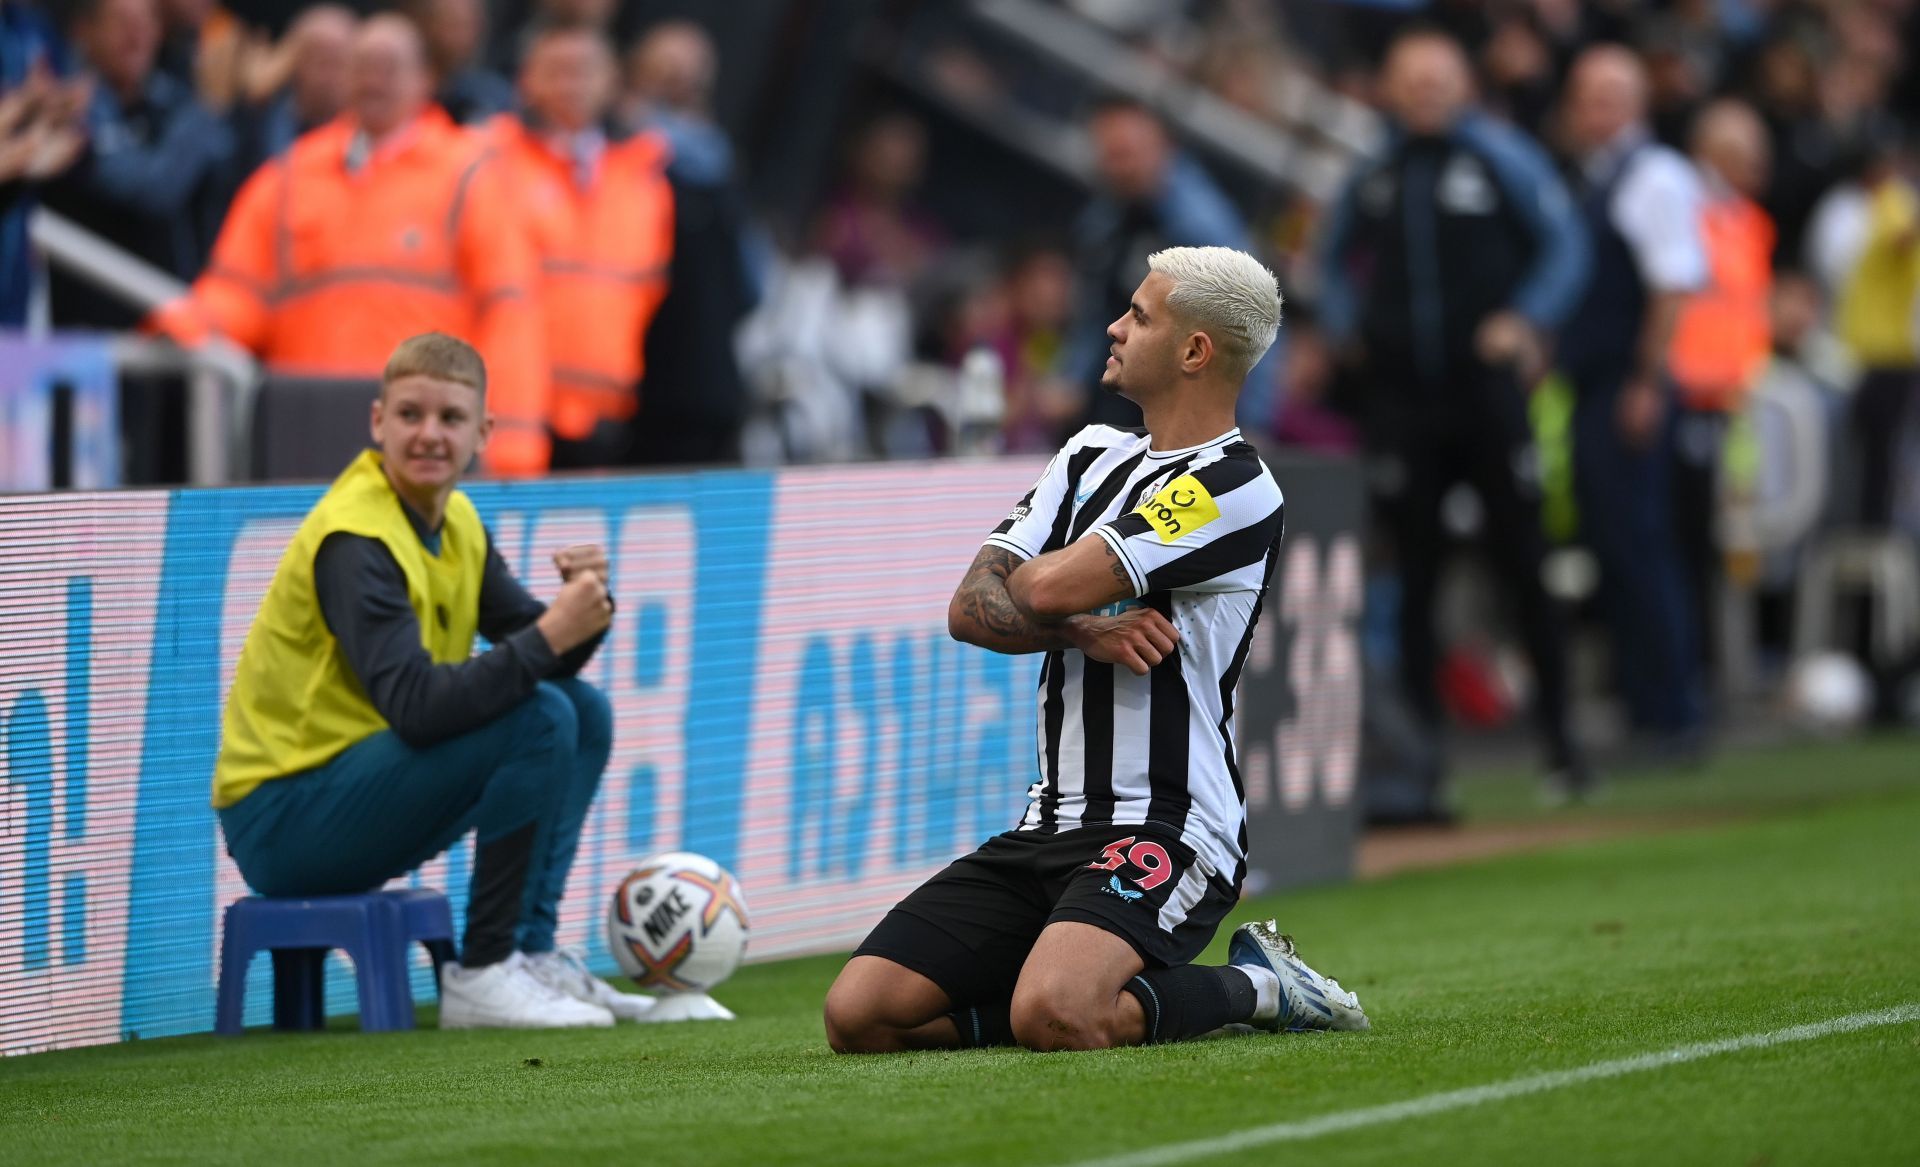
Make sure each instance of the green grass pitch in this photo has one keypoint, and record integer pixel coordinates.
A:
(1785, 890)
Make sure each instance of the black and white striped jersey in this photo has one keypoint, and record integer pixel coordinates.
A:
(1199, 532)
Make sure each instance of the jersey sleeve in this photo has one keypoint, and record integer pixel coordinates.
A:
(1025, 529)
(1208, 531)
(1657, 209)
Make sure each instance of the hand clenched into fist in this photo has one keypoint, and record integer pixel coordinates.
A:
(579, 613)
(582, 557)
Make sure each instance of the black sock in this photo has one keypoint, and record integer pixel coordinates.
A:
(984, 1026)
(1191, 1000)
(493, 902)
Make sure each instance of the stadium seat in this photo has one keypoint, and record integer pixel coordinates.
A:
(1881, 565)
(374, 931)
(309, 427)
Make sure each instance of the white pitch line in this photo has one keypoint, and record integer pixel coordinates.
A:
(1347, 1120)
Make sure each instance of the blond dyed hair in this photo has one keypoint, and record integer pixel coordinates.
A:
(1229, 295)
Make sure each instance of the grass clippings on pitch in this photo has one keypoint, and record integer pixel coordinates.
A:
(1802, 908)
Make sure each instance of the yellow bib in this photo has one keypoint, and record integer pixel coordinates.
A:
(1876, 314)
(295, 702)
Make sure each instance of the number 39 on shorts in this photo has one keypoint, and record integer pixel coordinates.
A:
(1149, 856)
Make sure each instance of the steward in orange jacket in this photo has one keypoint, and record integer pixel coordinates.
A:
(1723, 338)
(601, 215)
(384, 224)
(1722, 343)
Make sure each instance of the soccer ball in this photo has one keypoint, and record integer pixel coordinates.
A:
(1829, 692)
(678, 923)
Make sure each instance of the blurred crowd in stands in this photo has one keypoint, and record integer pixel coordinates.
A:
(143, 120)
(1597, 262)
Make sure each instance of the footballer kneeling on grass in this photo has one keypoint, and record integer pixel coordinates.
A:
(1138, 564)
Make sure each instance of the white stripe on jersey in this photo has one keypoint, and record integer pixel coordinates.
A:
(1199, 531)
(1186, 893)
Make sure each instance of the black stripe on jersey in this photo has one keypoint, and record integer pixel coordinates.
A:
(1096, 724)
(1053, 676)
(1219, 477)
(1132, 523)
(1053, 679)
(1096, 504)
(1169, 721)
(1063, 518)
(1230, 680)
(1230, 552)
(1026, 500)
(1236, 466)
(1167, 473)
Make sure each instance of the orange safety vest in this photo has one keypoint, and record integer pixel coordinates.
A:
(604, 245)
(320, 270)
(1724, 335)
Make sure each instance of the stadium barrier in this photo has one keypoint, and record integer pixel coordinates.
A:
(785, 694)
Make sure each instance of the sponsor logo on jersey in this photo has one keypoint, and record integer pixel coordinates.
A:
(1182, 507)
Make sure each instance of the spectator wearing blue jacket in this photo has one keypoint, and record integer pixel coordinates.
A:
(1447, 264)
(153, 175)
(1151, 197)
(31, 54)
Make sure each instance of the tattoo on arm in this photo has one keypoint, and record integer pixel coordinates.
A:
(1119, 568)
(993, 619)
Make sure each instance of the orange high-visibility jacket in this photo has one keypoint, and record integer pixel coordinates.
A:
(1724, 335)
(321, 270)
(604, 245)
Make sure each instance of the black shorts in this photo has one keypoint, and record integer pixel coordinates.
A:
(969, 928)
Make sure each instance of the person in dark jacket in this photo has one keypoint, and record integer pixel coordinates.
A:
(154, 166)
(455, 31)
(1643, 204)
(694, 399)
(1448, 263)
(1151, 195)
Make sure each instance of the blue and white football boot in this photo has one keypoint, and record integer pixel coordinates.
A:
(1307, 999)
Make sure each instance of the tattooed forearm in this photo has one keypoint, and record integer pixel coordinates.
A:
(983, 613)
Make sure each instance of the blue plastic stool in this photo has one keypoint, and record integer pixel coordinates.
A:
(425, 918)
(370, 929)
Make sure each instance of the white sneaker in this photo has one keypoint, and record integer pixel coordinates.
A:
(507, 996)
(1307, 999)
(564, 971)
